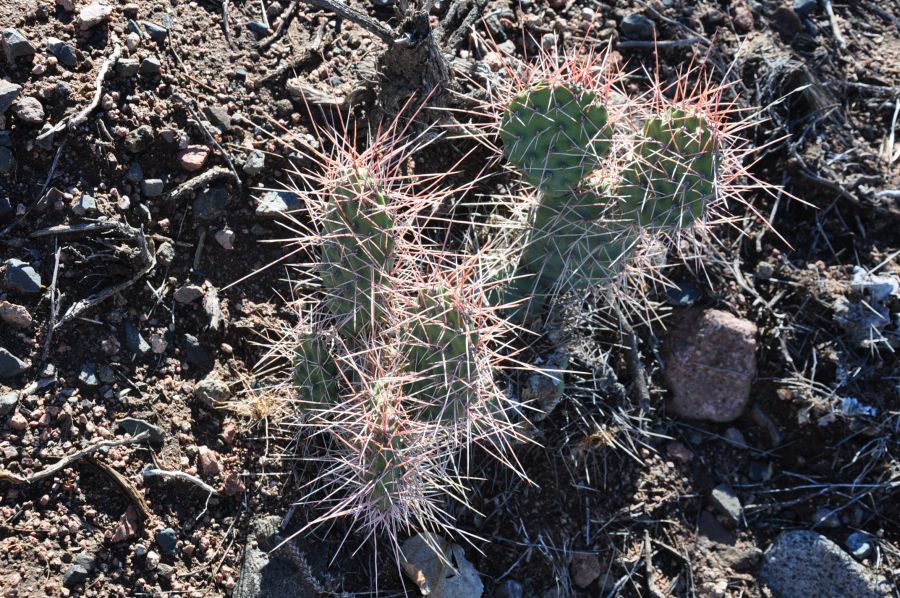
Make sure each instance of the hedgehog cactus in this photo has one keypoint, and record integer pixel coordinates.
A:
(315, 373)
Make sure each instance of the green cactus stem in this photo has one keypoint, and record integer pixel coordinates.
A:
(315, 374)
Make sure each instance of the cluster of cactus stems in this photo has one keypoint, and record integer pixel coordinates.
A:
(398, 364)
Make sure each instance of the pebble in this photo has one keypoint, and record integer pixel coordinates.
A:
(225, 238)
(167, 539)
(29, 110)
(585, 569)
(165, 254)
(233, 485)
(710, 358)
(67, 5)
(211, 391)
(8, 94)
(724, 498)
(211, 204)
(805, 563)
(21, 277)
(637, 26)
(64, 53)
(135, 173)
(152, 560)
(132, 41)
(194, 353)
(742, 17)
(17, 422)
(152, 187)
(273, 203)
(134, 340)
(140, 550)
(218, 117)
(157, 32)
(92, 15)
(139, 139)
(15, 45)
(10, 365)
(86, 205)
(193, 157)
(15, 315)
(127, 67)
(88, 375)
(8, 403)
(208, 462)
(150, 66)
(158, 344)
(188, 293)
(859, 544)
(75, 575)
(7, 163)
(255, 162)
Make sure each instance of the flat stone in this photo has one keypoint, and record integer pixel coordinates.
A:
(858, 543)
(225, 238)
(188, 293)
(65, 53)
(88, 375)
(157, 32)
(218, 116)
(8, 94)
(152, 187)
(135, 426)
(727, 502)
(127, 67)
(211, 204)
(193, 157)
(16, 45)
(21, 277)
(805, 563)
(139, 139)
(150, 66)
(10, 365)
(425, 559)
(134, 340)
(637, 26)
(86, 205)
(255, 162)
(710, 359)
(29, 110)
(92, 15)
(15, 315)
(273, 203)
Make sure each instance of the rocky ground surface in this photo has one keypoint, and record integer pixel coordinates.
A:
(142, 156)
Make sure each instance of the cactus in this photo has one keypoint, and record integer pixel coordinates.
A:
(315, 373)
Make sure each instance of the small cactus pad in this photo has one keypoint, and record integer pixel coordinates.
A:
(357, 254)
(555, 135)
(440, 353)
(315, 373)
(672, 178)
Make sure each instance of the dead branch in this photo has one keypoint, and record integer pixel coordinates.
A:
(151, 472)
(354, 16)
(200, 181)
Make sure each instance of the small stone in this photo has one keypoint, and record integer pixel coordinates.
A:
(15, 45)
(152, 560)
(157, 32)
(152, 187)
(21, 277)
(637, 26)
(150, 66)
(134, 340)
(804, 563)
(17, 422)
(273, 203)
(680, 452)
(193, 157)
(29, 110)
(585, 569)
(218, 116)
(233, 485)
(8, 94)
(88, 375)
(139, 139)
(165, 255)
(15, 315)
(208, 462)
(211, 204)
(225, 238)
(167, 539)
(65, 53)
(194, 353)
(86, 205)
(140, 551)
(7, 164)
(211, 392)
(724, 498)
(10, 365)
(188, 293)
(8, 403)
(135, 426)
(127, 67)
(860, 545)
(127, 526)
(132, 41)
(135, 173)
(67, 5)
(742, 17)
(75, 575)
(165, 571)
(92, 15)
(804, 8)
(710, 359)
(158, 344)
(255, 162)
(258, 28)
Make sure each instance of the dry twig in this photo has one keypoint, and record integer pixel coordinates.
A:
(151, 472)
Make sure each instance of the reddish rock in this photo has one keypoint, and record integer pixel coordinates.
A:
(18, 422)
(127, 527)
(743, 18)
(233, 485)
(208, 462)
(710, 359)
(15, 315)
(193, 157)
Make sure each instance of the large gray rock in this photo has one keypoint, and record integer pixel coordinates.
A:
(21, 277)
(710, 358)
(16, 45)
(804, 563)
(8, 94)
(10, 365)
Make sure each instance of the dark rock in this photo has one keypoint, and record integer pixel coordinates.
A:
(134, 341)
(150, 66)
(135, 426)
(135, 173)
(8, 94)
(710, 359)
(510, 588)
(16, 45)
(258, 28)
(211, 204)
(193, 351)
(273, 203)
(86, 205)
(86, 560)
(682, 294)
(139, 139)
(8, 403)
(7, 163)
(255, 162)
(88, 375)
(10, 365)
(29, 110)
(75, 575)
(858, 543)
(21, 277)
(157, 32)
(727, 502)
(804, 563)
(786, 22)
(637, 26)
(805, 8)
(218, 116)
(152, 187)
(168, 540)
(44, 140)
(127, 67)
(65, 53)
